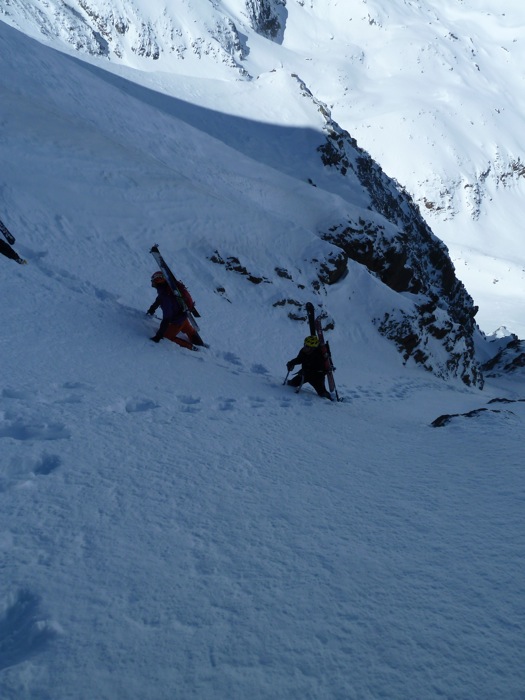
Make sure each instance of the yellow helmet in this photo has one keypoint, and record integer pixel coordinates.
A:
(311, 341)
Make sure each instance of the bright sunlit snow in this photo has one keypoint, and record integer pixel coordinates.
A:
(179, 524)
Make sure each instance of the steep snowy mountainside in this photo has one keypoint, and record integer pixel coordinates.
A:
(433, 72)
(314, 181)
(434, 91)
(137, 32)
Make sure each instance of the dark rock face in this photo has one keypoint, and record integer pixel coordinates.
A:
(432, 340)
(447, 418)
(332, 268)
(438, 332)
(436, 327)
(268, 17)
(407, 257)
(509, 360)
(233, 264)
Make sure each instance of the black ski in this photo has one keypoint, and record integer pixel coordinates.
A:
(7, 233)
(327, 356)
(311, 317)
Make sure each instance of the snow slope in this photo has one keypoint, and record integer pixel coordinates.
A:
(178, 525)
(433, 91)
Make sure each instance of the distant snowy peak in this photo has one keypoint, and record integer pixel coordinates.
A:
(131, 30)
(447, 198)
(447, 79)
(509, 360)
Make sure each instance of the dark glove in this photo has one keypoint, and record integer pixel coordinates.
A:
(290, 365)
(150, 312)
(156, 338)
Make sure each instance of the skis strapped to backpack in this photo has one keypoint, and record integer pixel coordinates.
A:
(327, 357)
(177, 287)
(7, 233)
(316, 329)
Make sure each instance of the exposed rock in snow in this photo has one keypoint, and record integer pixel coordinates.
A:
(409, 259)
(509, 360)
(268, 17)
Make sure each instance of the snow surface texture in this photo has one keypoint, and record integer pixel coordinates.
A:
(433, 91)
(182, 525)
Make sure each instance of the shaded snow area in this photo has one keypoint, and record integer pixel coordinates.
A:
(179, 524)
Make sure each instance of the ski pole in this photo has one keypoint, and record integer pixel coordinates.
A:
(286, 378)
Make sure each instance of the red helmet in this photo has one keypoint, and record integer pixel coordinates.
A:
(157, 278)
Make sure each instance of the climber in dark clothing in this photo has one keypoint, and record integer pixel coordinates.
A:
(174, 318)
(11, 253)
(313, 369)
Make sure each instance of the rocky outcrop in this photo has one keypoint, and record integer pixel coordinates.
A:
(268, 17)
(509, 360)
(452, 195)
(435, 325)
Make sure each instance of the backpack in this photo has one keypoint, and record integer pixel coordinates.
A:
(188, 299)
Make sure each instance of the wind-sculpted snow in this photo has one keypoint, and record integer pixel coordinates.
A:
(207, 530)
(183, 524)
